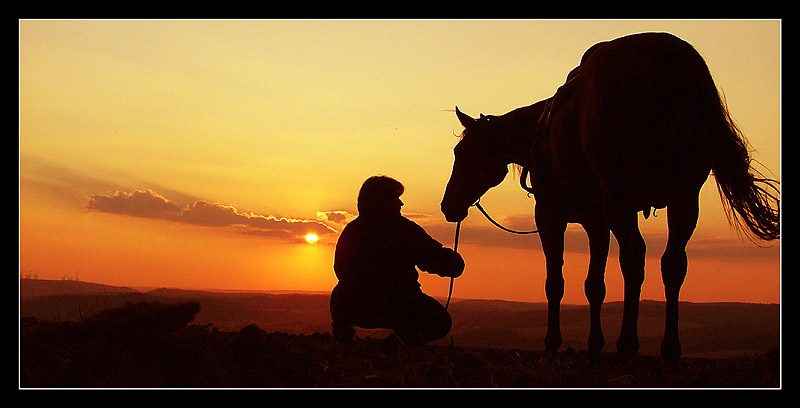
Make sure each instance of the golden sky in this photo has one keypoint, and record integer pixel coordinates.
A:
(197, 154)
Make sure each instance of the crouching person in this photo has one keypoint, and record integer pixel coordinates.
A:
(375, 262)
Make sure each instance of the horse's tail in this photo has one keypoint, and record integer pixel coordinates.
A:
(747, 196)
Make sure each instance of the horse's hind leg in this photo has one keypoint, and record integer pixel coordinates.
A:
(595, 286)
(681, 220)
(632, 249)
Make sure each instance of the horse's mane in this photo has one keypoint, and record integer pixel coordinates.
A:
(528, 117)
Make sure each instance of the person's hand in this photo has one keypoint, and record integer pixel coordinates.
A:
(455, 266)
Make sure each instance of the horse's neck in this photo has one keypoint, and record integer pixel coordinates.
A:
(526, 125)
(524, 122)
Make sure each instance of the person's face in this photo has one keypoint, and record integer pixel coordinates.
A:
(397, 204)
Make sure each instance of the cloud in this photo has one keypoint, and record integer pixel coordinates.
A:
(139, 203)
(149, 204)
(338, 218)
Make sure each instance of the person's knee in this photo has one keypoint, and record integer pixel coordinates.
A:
(431, 322)
(336, 304)
(446, 326)
(441, 325)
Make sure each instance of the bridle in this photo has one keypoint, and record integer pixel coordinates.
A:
(458, 233)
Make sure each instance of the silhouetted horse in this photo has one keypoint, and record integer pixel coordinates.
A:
(639, 124)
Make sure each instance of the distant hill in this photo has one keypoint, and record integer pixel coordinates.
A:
(36, 288)
(706, 329)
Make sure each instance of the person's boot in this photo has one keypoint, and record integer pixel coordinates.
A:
(343, 332)
(392, 345)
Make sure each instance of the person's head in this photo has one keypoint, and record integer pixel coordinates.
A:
(380, 195)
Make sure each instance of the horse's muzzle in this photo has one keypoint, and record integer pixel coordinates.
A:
(454, 213)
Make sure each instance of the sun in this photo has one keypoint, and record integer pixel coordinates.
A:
(312, 238)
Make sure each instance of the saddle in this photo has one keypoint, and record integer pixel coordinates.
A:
(563, 93)
(555, 102)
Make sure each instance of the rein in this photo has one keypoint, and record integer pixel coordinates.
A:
(458, 232)
(496, 224)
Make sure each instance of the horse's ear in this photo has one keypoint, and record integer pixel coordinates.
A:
(465, 120)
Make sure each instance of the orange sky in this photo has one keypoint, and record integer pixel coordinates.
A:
(197, 154)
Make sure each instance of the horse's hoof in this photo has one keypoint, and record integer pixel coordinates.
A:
(596, 344)
(549, 357)
(670, 352)
(627, 346)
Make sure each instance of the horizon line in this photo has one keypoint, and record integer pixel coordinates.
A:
(146, 289)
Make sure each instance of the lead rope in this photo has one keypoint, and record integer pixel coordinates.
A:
(458, 232)
(485, 214)
(455, 249)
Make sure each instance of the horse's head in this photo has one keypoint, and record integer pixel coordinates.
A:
(479, 165)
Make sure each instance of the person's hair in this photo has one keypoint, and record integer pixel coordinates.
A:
(377, 193)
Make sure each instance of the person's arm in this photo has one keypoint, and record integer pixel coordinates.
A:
(433, 257)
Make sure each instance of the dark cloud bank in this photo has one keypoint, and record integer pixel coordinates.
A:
(149, 204)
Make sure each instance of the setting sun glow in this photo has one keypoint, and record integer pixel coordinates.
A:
(229, 154)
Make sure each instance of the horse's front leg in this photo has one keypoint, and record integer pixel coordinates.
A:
(595, 286)
(551, 234)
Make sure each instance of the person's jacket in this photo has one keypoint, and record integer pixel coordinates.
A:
(379, 254)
